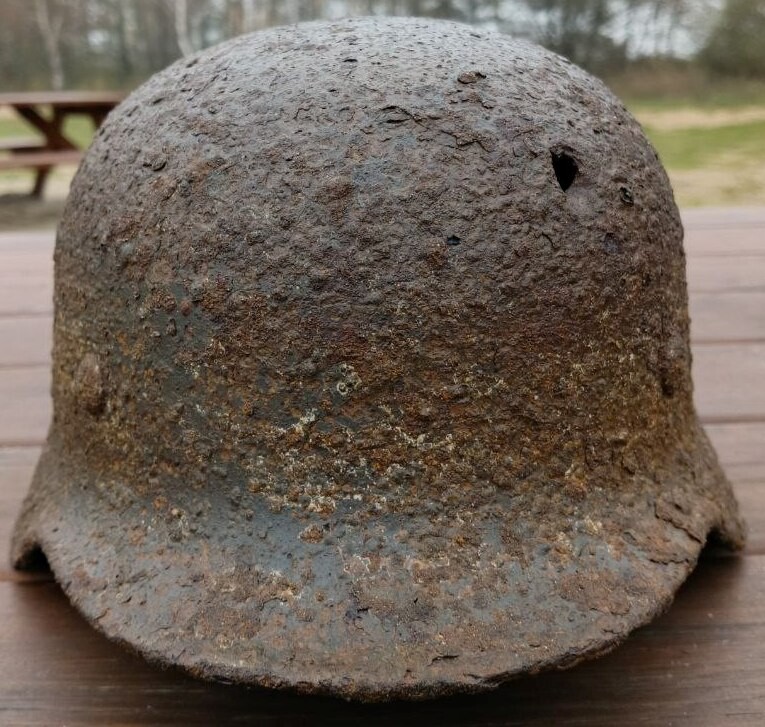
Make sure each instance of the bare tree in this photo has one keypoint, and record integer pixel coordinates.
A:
(577, 29)
(735, 46)
(127, 36)
(50, 29)
(182, 34)
(248, 15)
(101, 43)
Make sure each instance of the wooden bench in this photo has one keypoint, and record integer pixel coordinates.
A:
(40, 159)
(13, 144)
(42, 162)
(46, 113)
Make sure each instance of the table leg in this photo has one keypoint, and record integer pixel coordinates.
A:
(41, 175)
(54, 139)
(51, 129)
(98, 116)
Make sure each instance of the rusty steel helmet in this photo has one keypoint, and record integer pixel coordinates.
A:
(371, 368)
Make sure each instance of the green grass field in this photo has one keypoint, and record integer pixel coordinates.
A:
(695, 148)
(714, 156)
(77, 128)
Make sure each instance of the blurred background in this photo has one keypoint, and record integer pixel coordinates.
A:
(692, 71)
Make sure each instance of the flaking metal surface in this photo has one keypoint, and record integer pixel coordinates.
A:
(371, 368)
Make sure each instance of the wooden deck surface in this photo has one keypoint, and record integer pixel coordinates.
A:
(702, 663)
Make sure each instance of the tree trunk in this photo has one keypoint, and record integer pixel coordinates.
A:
(50, 30)
(248, 15)
(182, 27)
(125, 67)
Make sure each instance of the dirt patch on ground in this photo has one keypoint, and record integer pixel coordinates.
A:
(689, 118)
(730, 179)
(19, 211)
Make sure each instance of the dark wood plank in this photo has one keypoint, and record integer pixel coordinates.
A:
(28, 262)
(715, 317)
(729, 382)
(713, 237)
(740, 274)
(725, 242)
(751, 500)
(728, 317)
(40, 159)
(26, 341)
(26, 273)
(26, 405)
(24, 241)
(25, 294)
(741, 449)
(16, 467)
(49, 126)
(727, 217)
(61, 98)
(19, 143)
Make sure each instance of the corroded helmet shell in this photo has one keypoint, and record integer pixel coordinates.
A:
(371, 368)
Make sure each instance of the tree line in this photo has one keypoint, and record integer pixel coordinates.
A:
(118, 43)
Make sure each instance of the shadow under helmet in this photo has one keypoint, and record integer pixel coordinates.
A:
(371, 368)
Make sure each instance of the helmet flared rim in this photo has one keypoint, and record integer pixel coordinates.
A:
(197, 602)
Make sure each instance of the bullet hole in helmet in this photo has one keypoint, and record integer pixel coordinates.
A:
(34, 560)
(565, 168)
(453, 240)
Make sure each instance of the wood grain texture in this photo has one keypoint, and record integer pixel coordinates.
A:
(725, 218)
(729, 382)
(26, 241)
(22, 295)
(16, 467)
(741, 449)
(751, 500)
(703, 663)
(26, 341)
(727, 317)
(742, 240)
(26, 262)
(739, 274)
(26, 404)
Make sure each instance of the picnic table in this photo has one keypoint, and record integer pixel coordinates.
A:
(46, 113)
(702, 663)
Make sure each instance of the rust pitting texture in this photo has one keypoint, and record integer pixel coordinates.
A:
(371, 368)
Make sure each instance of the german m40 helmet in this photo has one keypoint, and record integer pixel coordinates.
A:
(371, 368)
